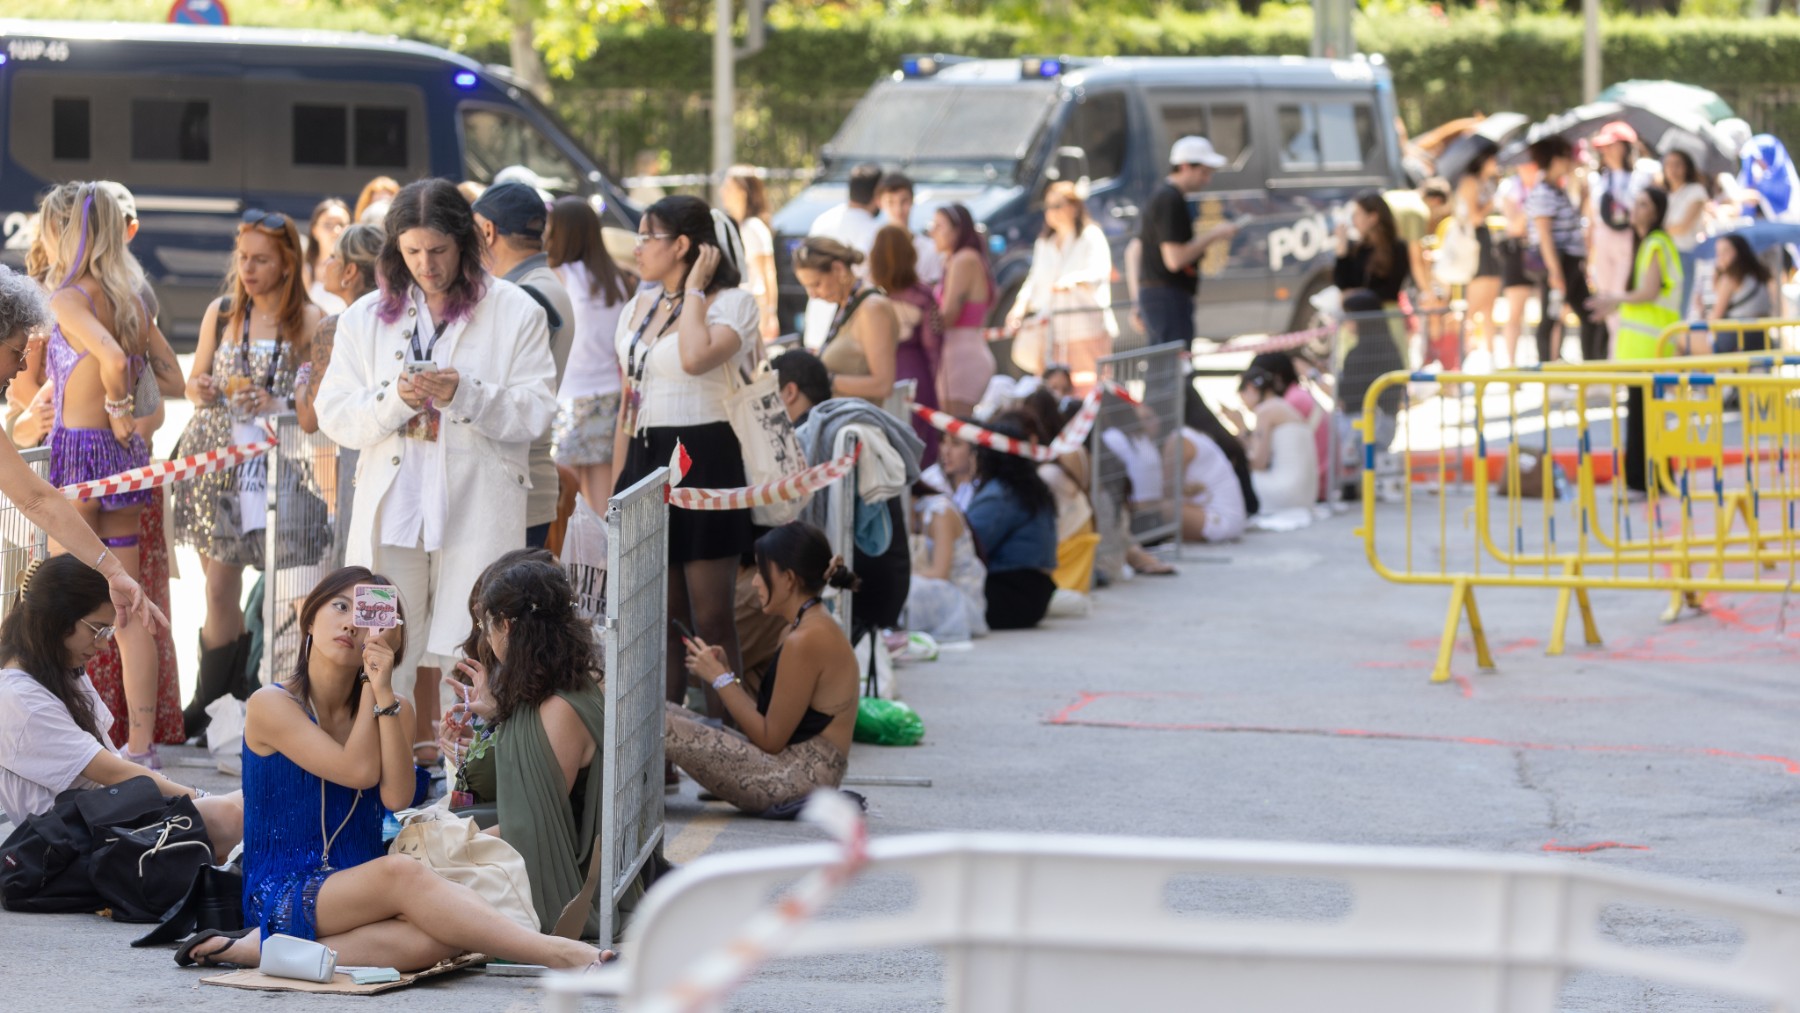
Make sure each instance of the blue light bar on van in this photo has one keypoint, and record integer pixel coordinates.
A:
(1048, 67)
(918, 66)
(466, 79)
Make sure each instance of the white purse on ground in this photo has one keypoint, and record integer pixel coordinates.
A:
(300, 959)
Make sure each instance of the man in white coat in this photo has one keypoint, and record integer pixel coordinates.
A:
(441, 379)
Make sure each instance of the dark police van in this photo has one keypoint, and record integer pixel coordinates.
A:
(204, 123)
(1301, 137)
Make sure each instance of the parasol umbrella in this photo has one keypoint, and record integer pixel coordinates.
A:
(1651, 125)
(1762, 236)
(1672, 95)
(1503, 127)
(1463, 155)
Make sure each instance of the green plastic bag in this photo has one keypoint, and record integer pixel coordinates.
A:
(887, 723)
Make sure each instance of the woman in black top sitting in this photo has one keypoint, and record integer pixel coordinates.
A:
(796, 729)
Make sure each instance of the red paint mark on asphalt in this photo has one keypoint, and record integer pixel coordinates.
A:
(1467, 687)
(1588, 849)
(1068, 717)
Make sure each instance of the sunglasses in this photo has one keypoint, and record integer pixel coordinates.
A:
(101, 633)
(1057, 206)
(265, 219)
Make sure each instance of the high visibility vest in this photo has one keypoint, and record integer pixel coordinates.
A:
(1641, 324)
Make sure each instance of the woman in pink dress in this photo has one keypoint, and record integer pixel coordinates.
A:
(964, 296)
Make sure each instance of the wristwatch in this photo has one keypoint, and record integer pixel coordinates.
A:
(724, 680)
(389, 711)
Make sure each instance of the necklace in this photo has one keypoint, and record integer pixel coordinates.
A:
(809, 603)
(325, 856)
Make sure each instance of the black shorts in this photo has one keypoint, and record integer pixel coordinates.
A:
(1513, 273)
(1488, 264)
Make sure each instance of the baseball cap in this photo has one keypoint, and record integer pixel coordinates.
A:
(1193, 150)
(514, 208)
(1616, 132)
(121, 196)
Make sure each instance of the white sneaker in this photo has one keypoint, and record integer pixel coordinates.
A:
(1068, 604)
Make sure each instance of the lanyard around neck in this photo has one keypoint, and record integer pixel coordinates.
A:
(640, 363)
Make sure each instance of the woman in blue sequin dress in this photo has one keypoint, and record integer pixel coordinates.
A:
(326, 754)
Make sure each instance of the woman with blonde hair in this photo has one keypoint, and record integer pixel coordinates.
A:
(746, 200)
(859, 348)
(377, 194)
(1070, 286)
(252, 342)
(96, 355)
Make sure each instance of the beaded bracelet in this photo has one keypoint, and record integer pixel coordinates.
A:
(122, 408)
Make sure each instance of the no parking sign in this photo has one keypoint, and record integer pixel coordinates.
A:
(199, 12)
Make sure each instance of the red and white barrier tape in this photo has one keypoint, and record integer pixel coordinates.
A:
(1074, 434)
(786, 490)
(152, 476)
(716, 974)
(1272, 343)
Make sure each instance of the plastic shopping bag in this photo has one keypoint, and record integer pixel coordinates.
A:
(887, 723)
(584, 556)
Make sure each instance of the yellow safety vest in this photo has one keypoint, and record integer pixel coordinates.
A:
(1641, 324)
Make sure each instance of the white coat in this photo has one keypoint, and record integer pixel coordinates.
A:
(503, 402)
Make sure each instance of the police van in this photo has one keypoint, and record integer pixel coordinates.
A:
(1300, 137)
(204, 123)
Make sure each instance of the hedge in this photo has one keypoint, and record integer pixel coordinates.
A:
(809, 73)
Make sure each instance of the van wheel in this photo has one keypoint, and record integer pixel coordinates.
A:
(1306, 318)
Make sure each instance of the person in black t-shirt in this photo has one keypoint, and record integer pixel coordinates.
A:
(1170, 251)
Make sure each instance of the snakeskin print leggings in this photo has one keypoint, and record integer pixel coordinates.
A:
(735, 769)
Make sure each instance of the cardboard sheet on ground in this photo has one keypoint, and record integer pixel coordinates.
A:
(340, 983)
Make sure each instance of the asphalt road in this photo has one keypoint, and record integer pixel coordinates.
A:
(1275, 690)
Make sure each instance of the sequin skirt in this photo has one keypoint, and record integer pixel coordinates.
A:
(204, 512)
(82, 455)
(584, 430)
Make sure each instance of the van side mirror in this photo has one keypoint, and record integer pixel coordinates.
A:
(1069, 163)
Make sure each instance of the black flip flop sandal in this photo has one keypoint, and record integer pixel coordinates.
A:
(184, 954)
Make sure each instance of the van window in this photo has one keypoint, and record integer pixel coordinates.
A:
(1098, 125)
(171, 130)
(69, 137)
(1226, 125)
(1327, 136)
(494, 139)
(380, 138)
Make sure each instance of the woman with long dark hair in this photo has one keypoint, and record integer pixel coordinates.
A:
(54, 721)
(677, 341)
(1690, 201)
(744, 197)
(963, 298)
(1742, 290)
(1013, 518)
(1649, 307)
(326, 756)
(589, 396)
(252, 342)
(796, 728)
(441, 383)
(893, 268)
(1070, 284)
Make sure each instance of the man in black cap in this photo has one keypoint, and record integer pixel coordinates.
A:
(511, 219)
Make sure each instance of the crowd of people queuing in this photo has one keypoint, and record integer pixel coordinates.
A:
(480, 355)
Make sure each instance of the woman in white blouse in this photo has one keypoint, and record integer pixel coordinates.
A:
(442, 381)
(1071, 285)
(678, 337)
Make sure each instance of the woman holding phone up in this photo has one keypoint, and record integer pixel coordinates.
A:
(678, 341)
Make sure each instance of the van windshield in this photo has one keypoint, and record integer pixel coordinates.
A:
(911, 123)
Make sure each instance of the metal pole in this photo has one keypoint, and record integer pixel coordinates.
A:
(1590, 50)
(724, 148)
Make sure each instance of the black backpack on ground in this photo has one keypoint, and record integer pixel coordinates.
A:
(123, 847)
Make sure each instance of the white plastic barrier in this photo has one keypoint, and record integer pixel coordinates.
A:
(1047, 924)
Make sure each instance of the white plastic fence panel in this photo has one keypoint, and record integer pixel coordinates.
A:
(1048, 924)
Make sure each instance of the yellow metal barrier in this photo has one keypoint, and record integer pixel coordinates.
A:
(1678, 338)
(1713, 468)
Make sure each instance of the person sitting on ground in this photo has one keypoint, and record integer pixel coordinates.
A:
(1013, 517)
(1057, 378)
(1212, 501)
(1068, 477)
(1283, 459)
(1283, 367)
(336, 732)
(541, 697)
(949, 597)
(52, 721)
(796, 729)
(888, 466)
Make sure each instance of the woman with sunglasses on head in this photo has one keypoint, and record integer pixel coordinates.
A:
(96, 355)
(252, 342)
(52, 721)
(326, 757)
(677, 339)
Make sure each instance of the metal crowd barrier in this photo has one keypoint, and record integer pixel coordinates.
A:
(637, 615)
(840, 530)
(21, 542)
(1144, 436)
(1776, 334)
(300, 540)
(1546, 523)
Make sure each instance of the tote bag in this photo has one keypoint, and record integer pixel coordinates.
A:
(765, 435)
(454, 848)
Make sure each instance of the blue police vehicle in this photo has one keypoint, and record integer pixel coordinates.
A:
(1302, 136)
(203, 123)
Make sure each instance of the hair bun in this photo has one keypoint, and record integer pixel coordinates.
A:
(841, 576)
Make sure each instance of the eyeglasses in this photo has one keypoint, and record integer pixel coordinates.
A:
(19, 350)
(101, 633)
(645, 237)
(265, 219)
